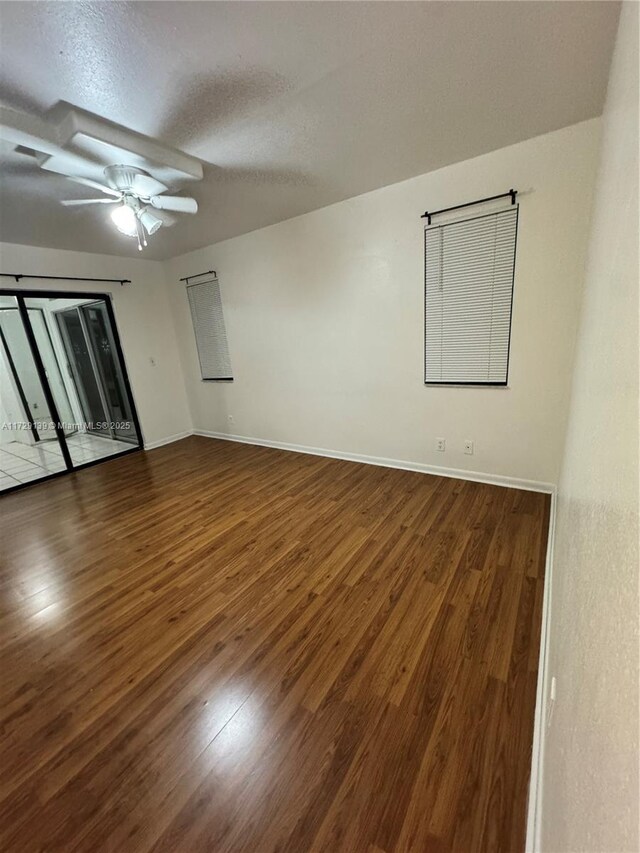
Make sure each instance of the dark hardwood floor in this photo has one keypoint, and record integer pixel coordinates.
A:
(219, 647)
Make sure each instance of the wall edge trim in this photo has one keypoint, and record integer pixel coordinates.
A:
(535, 802)
(402, 464)
(151, 445)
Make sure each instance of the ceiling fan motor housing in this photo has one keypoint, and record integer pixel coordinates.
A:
(133, 180)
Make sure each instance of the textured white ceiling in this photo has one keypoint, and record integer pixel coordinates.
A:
(291, 105)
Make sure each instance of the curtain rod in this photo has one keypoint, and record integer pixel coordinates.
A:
(198, 274)
(18, 276)
(427, 215)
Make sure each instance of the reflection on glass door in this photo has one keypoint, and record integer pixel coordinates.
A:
(109, 369)
(83, 372)
(29, 446)
(64, 391)
(91, 350)
(52, 369)
(21, 365)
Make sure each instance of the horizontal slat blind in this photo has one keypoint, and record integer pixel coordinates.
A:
(208, 324)
(469, 267)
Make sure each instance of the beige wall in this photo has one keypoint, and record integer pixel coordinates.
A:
(590, 790)
(324, 316)
(144, 321)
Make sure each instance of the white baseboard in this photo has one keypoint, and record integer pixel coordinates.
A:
(151, 445)
(534, 808)
(458, 474)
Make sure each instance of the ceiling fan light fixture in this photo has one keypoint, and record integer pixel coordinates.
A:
(151, 223)
(124, 218)
(135, 193)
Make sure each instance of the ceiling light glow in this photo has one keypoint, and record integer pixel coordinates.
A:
(124, 218)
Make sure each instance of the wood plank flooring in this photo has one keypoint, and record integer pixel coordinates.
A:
(219, 647)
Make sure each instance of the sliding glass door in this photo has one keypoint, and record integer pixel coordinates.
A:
(52, 367)
(65, 399)
(91, 354)
(100, 337)
(30, 449)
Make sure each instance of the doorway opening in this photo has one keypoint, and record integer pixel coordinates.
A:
(65, 397)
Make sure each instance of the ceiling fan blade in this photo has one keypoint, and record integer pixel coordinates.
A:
(77, 201)
(181, 204)
(86, 182)
(146, 186)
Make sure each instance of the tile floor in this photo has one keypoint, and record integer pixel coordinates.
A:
(23, 463)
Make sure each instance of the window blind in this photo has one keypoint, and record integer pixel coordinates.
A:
(208, 325)
(469, 270)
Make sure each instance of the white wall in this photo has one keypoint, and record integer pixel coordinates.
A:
(144, 322)
(325, 320)
(590, 790)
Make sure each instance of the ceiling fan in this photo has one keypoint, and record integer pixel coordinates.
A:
(135, 192)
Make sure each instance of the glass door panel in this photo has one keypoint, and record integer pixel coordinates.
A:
(29, 445)
(101, 338)
(83, 372)
(52, 369)
(18, 351)
(83, 334)
(65, 400)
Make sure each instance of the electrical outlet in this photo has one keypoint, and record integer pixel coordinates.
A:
(468, 448)
(441, 445)
(552, 701)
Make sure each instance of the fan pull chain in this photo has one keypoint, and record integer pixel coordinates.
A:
(142, 240)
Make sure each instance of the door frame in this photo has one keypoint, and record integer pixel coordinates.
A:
(20, 295)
